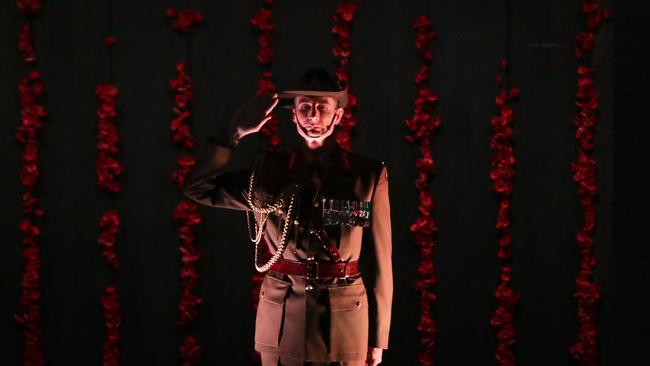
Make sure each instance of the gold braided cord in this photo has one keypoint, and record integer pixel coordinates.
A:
(260, 225)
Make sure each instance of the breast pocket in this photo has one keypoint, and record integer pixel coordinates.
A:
(270, 310)
(348, 319)
(345, 212)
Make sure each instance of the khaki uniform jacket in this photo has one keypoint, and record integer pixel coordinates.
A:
(339, 318)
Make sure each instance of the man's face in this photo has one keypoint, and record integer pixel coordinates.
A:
(315, 118)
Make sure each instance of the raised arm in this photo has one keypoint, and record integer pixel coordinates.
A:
(213, 182)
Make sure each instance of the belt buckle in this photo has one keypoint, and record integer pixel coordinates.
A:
(345, 270)
(311, 269)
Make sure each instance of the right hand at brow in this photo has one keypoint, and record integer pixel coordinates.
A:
(252, 115)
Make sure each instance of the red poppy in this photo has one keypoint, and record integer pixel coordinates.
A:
(265, 55)
(109, 41)
(191, 350)
(189, 307)
(28, 7)
(345, 11)
(182, 21)
(263, 20)
(25, 45)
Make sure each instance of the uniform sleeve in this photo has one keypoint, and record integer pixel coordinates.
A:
(378, 253)
(211, 183)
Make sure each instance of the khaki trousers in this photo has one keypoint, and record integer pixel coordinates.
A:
(269, 359)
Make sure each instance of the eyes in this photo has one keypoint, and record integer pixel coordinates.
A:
(306, 107)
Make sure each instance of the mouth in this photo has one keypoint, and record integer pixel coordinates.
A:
(314, 131)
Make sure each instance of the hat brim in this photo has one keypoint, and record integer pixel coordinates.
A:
(341, 96)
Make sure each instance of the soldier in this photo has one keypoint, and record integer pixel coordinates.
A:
(324, 215)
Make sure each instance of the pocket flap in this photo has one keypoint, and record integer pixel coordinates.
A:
(348, 297)
(274, 289)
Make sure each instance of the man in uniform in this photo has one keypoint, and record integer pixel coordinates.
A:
(324, 215)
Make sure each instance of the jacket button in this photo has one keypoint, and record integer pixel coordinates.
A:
(316, 203)
(309, 287)
(296, 222)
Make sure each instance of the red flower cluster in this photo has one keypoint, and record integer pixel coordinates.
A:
(25, 45)
(264, 27)
(30, 89)
(32, 114)
(263, 22)
(185, 214)
(181, 88)
(28, 7)
(106, 165)
(423, 127)
(191, 351)
(587, 294)
(110, 225)
(265, 84)
(502, 175)
(109, 41)
(187, 217)
(183, 20)
(595, 17)
(111, 307)
(30, 314)
(425, 35)
(341, 51)
(185, 165)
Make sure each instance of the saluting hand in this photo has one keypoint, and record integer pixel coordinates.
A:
(374, 356)
(252, 115)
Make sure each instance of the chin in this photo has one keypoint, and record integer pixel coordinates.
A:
(313, 142)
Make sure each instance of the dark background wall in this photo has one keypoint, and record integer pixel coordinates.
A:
(472, 38)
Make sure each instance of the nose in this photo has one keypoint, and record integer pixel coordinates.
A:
(313, 112)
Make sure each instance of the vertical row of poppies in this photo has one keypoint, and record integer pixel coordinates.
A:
(341, 30)
(422, 129)
(264, 27)
(502, 174)
(587, 294)
(32, 115)
(107, 170)
(186, 212)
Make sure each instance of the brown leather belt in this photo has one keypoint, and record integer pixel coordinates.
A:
(314, 270)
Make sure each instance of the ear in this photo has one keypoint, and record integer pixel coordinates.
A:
(293, 115)
(338, 115)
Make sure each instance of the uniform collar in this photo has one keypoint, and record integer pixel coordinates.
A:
(329, 155)
(323, 156)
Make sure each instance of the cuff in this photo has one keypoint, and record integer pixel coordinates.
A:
(225, 138)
